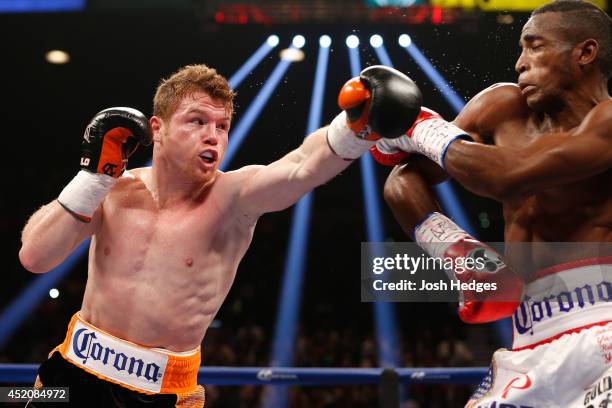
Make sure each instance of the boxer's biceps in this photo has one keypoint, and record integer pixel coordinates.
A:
(271, 188)
(51, 235)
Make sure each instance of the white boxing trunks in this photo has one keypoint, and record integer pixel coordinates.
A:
(562, 346)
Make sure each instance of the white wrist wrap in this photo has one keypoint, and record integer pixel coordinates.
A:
(432, 137)
(392, 146)
(437, 233)
(344, 142)
(85, 192)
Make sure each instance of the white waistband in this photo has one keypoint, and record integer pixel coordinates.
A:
(126, 363)
(571, 298)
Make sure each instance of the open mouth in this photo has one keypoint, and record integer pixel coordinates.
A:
(208, 156)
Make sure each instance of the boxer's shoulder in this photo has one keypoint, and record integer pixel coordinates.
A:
(130, 190)
(601, 113)
(132, 180)
(503, 100)
(597, 122)
(235, 180)
(493, 107)
(232, 183)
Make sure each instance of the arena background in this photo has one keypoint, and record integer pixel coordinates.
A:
(119, 51)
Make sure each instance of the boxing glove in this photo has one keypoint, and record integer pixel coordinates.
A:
(380, 103)
(110, 138)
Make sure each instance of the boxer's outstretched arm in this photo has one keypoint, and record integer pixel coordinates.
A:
(371, 105)
(280, 184)
(51, 234)
(554, 159)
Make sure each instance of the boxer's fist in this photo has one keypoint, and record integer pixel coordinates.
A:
(381, 102)
(111, 137)
(486, 306)
(424, 114)
(391, 152)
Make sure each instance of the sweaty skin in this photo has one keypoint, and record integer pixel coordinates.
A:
(167, 240)
(543, 148)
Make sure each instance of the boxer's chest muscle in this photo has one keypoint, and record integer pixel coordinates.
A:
(180, 239)
(560, 213)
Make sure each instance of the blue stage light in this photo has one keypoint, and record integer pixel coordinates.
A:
(325, 41)
(404, 40)
(298, 41)
(376, 41)
(352, 41)
(290, 300)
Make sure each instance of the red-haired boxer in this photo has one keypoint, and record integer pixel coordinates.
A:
(543, 148)
(167, 240)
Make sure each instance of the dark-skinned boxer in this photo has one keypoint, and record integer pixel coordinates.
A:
(543, 148)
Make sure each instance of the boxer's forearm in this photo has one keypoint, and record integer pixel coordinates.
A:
(49, 236)
(482, 169)
(505, 173)
(282, 183)
(409, 194)
(317, 163)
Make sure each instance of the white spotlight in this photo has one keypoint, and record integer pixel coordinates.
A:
(352, 41)
(325, 41)
(404, 40)
(54, 293)
(298, 41)
(273, 40)
(376, 41)
(57, 57)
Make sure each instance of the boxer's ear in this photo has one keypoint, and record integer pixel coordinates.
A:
(587, 51)
(156, 126)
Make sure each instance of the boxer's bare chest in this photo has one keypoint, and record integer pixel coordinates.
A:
(578, 211)
(183, 257)
(183, 239)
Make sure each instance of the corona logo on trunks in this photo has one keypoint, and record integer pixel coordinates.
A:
(531, 311)
(86, 347)
(116, 359)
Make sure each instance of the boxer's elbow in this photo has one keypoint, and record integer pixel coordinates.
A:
(394, 190)
(32, 261)
(509, 186)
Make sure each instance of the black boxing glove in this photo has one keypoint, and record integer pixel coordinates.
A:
(110, 138)
(381, 102)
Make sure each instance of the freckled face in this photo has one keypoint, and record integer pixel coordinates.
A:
(194, 139)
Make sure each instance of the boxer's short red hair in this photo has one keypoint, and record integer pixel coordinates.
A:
(186, 81)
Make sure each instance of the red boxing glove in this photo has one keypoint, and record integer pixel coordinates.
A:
(391, 152)
(388, 153)
(486, 305)
(425, 114)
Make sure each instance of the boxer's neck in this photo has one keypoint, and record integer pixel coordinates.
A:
(576, 104)
(172, 188)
